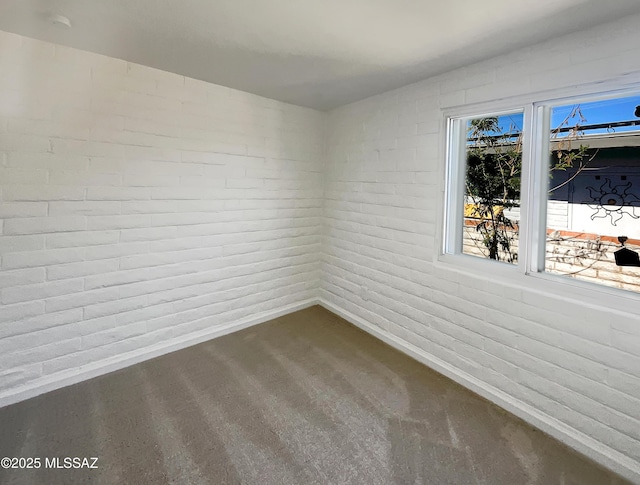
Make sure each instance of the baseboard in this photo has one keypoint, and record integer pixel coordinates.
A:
(584, 444)
(67, 378)
(577, 440)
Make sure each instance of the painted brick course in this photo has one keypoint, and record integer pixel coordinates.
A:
(138, 206)
(383, 187)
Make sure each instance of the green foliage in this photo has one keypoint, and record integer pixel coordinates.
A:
(493, 177)
(494, 168)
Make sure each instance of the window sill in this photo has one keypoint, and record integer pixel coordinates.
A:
(563, 288)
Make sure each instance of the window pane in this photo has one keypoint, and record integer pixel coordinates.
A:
(493, 155)
(594, 192)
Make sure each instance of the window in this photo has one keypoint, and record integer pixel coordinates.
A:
(549, 188)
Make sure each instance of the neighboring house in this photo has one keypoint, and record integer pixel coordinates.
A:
(604, 197)
(590, 207)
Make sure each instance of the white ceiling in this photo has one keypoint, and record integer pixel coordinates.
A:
(320, 54)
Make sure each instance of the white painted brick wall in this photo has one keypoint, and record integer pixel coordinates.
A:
(572, 359)
(137, 206)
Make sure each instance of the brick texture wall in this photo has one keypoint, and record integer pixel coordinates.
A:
(572, 361)
(138, 206)
(585, 258)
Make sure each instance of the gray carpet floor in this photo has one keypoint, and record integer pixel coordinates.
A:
(303, 399)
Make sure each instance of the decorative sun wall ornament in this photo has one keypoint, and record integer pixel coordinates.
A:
(612, 201)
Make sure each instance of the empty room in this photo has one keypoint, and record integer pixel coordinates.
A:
(340, 242)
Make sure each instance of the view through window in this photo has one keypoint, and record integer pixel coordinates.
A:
(593, 207)
(492, 186)
(592, 204)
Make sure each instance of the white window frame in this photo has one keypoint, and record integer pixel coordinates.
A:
(454, 186)
(530, 268)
